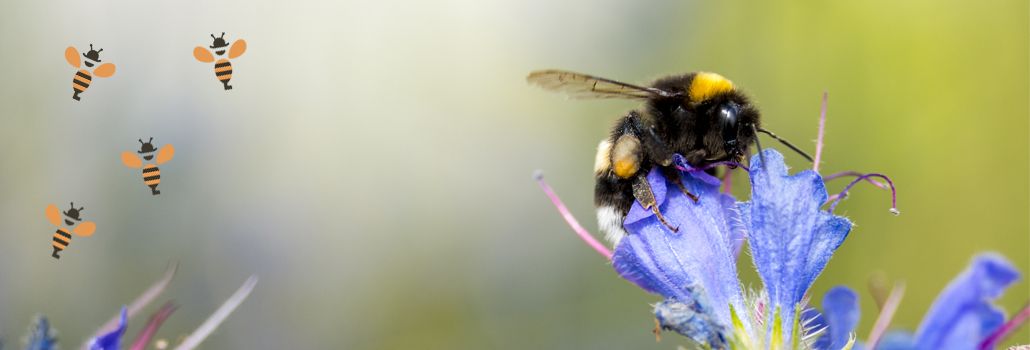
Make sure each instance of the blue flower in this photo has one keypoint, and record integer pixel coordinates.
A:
(41, 336)
(962, 316)
(791, 241)
(112, 339)
(695, 269)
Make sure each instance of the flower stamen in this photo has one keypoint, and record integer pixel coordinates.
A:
(894, 194)
(1007, 329)
(886, 315)
(822, 131)
(827, 178)
(569, 218)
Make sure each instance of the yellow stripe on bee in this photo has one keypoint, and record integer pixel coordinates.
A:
(707, 85)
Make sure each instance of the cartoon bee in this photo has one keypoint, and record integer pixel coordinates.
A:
(71, 219)
(223, 68)
(701, 116)
(151, 174)
(84, 77)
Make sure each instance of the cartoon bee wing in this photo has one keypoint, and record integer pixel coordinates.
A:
(72, 56)
(105, 70)
(165, 154)
(85, 229)
(53, 215)
(237, 49)
(203, 55)
(131, 160)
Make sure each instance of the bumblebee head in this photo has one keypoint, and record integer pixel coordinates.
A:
(73, 214)
(147, 149)
(219, 44)
(733, 121)
(92, 57)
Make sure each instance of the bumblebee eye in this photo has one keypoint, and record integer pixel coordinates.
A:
(728, 121)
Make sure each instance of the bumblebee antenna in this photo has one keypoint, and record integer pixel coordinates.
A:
(223, 35)
(101, 50)
(72, 204)
(759, 146)
(140, 141)
(150, 140)
(91, 47)
(213, 36)
(787, 143)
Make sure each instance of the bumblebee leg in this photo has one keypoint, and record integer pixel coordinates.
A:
(56, 250)
(642, 192)
(76, 96)
(651, 143)
(225, 83)
(673, 174)
(153, 190)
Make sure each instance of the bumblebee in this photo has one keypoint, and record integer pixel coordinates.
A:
(701, 116)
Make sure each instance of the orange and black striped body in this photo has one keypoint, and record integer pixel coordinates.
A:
(62, 238)
(81, 82)
(152, 178)
(223, 70)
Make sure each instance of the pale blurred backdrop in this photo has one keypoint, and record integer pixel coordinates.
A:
(373, 163)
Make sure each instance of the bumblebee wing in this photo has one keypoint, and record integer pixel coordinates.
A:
(579, 85)
(105, 70)
(165, 154)
(72, 56)
(203, 55)
(85, 229)
(53, 215)
(237, 49)
(131, 160)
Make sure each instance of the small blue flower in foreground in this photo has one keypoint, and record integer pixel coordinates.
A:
(41, 336)
(109, 336)
(962, 317)
(112, 340)
(695, 269)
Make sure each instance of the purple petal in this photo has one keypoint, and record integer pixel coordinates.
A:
(695, 264)
(841, 313)
(791, 239)
(658, 187)
(112, 340)
(962, 315)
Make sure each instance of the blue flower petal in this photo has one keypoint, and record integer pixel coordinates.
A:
(791, 239)
(841, 313)
(41, 336)
(898, 340)
(692, 319)
(696, 264)
(962, 315)
(111, 340)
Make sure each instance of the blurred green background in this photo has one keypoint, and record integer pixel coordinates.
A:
(372, 164)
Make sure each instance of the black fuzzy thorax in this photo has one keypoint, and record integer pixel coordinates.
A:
(693, 128)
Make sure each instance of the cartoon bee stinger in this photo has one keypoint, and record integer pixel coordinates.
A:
(223, 68)
(71, 218)
(84, 77)
(151, 174)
